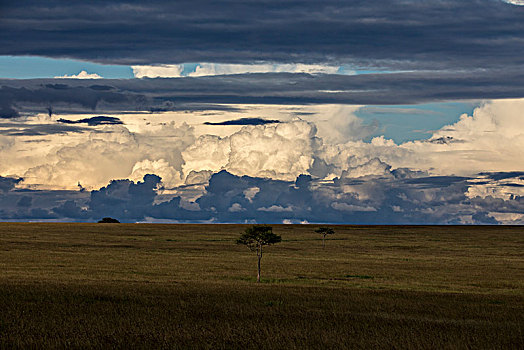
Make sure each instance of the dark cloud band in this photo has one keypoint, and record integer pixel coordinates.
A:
(43, 95)
(401, 34)
(245, 121)
(93, 121)
(402, 197)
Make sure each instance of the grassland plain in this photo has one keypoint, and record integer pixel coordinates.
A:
(190, 286)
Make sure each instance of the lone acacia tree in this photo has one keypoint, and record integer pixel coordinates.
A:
(324, 231)
(255, 238)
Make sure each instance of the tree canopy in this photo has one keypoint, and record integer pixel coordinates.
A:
(257, 236)
(324, 231)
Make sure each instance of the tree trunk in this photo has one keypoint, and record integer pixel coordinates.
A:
(259, 254)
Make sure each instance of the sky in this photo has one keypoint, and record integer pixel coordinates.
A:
(290, 111)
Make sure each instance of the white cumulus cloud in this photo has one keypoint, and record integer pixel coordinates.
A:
(160, 71)
(204, 69)
(207, 69)
(276, 209)
(82, 75)
(235, 208)
(515, 2)
(491, 139)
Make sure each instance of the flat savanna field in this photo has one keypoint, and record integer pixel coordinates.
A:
(191, 286)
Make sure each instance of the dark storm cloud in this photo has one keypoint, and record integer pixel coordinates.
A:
(392, 198)
(8, 183)
(8, 112)
(25, 204)
(25, 201)
(125, 199)
(49, 94)
(168, 105)
(504, 175)
(93, 121)
(128, 202)
(193, 94)
(402, 33)
(245, 121)
(78, 96)
(21, 129)
(436, 181)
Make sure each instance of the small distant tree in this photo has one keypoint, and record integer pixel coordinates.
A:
(324, 231)
(255, 238)
(108, 221)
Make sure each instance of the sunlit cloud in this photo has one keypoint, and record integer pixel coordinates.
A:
(82, 75)
(515, 2)
(208, 69)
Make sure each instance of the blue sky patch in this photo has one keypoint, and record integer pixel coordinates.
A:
(29, 67)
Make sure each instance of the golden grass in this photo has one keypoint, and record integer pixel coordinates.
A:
(180, 286)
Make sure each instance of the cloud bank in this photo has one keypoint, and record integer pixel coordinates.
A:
(332, 142)
(396, 197)
(466, 172)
